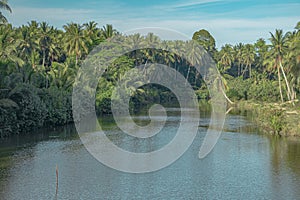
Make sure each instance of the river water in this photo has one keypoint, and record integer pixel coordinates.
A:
(243, 165)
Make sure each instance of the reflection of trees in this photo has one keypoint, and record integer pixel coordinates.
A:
(293, 156)
(285, 152)
(276, 151)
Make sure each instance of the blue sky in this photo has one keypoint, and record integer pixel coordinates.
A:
(229, 21)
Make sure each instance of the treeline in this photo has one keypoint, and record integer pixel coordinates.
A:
(39, 63)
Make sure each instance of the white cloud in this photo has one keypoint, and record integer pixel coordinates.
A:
(225, 29)
(22, 15)
(193, 3)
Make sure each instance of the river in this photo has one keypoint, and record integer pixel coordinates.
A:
(243, 165)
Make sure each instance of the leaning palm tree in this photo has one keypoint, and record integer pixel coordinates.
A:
(4, 5)
(278, 49)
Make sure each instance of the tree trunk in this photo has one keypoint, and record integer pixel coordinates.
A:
(250, 71)
(176, 70)
(286, 82)
(279, 80)
(187, 76)
(226, 97)
(44, 58)
(76, 62)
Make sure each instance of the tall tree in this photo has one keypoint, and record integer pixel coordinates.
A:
(278, 49)
(4, 6)
(248, 57)
(108, 31)
(28, 44)
(76, 43)
(8, 45)
(261, 49)
(93, 32)
(226, 58)
(45, 40)
(239, 57)
(206, 40)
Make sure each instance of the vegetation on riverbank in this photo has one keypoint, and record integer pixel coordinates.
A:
(39, 63)
(274, 118)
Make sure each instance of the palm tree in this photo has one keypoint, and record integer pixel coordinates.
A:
(108, 31)
(152, 41)
(193, 55)
(261, 49)
(45, 40)
(293, 57)
(297, 26)
(220, 83)
(8, 45)
(62, 75)
(278, 49)
(56, 48)
(226, 57)
(93, 32)
(239, 56)
(248, 57)
(177, 47)
(76, 43)
(4, 5)
(135, 41)
(27, 44)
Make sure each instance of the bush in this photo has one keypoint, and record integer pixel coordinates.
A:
(8, 118)
(59, 106)
(31, 111)
(250, 89)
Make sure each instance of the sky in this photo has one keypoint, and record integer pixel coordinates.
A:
(229, 21)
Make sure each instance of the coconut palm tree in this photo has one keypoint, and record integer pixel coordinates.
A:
(8, 45)
(239, 57)
(108, 31)
(248, 57)
(56, 49)
(93, 32)
(226, 57)
(62, 75)
(193, 55)
(45, 39)
(261, 49)
(278, 49)
(135, 41)
(293, 57)
(4, 6)
(76, 43)
(27, 44)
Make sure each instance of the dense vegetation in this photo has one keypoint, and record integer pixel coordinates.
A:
(38, 65)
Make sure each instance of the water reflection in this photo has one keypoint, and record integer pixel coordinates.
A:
(244, 164)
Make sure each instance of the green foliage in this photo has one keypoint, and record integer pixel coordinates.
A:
(277, 120)
(38, 66)
(59, 106)
(260, 89)
(206, 40)
(31, 110)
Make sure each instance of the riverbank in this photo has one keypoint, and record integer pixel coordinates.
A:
(274, 118)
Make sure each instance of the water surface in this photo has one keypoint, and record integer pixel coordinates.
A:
(243, 165)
